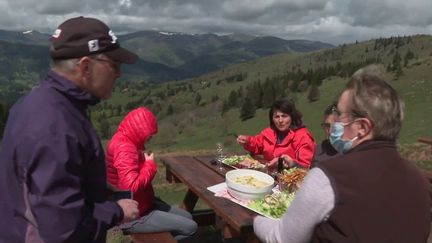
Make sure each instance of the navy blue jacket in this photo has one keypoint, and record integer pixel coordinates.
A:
(52, 169)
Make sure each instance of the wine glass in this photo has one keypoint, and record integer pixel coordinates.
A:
(220, 156)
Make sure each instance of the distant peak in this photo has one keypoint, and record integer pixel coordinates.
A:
(166, 33)
(171, 33)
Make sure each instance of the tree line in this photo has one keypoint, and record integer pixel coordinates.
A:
(262, 93)
(4, 111)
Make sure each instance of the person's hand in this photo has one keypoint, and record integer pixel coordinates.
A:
(288, 161)
(243, 139)
(149, 159)
(148, 156)
(272, 164)
(130, 209)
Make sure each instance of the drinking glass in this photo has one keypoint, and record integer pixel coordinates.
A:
(220, 156)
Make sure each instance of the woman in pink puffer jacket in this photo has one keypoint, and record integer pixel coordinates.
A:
(130, 168)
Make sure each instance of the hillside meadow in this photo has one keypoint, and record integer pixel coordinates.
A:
(190, 111)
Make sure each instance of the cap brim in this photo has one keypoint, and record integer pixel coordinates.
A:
(122, 55)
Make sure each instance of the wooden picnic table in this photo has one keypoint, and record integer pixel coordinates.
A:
(197, 173)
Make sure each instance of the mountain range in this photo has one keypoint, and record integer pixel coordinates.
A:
(163, 56)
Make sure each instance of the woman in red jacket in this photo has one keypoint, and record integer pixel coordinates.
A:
(130, 168)
(286, 138)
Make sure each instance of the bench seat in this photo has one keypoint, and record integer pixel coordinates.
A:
(158, 237)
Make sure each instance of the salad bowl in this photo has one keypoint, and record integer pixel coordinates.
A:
(248, 184)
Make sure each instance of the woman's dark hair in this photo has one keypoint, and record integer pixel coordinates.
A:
(329, 110)
(286, 106)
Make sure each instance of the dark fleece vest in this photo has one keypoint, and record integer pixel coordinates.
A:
(379, 197)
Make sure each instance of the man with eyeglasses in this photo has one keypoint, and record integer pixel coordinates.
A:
(52, 166)
(325, 150)
(368, 194)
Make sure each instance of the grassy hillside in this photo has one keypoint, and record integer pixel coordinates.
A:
(190, 111)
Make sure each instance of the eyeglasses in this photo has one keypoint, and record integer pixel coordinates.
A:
(338, 113)
(115, 66)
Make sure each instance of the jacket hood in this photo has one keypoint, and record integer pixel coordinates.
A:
(139, 125)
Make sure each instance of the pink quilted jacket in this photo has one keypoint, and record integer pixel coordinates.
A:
(126, 165)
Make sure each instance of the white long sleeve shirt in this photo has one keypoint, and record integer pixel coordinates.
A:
(313, 203)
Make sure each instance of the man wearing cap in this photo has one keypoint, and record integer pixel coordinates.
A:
(52, 166)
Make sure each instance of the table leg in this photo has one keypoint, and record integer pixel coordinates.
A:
(229, 232)
(170, 177)
(189, 201)
(204, 217)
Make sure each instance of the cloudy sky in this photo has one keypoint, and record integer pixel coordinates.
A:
(332, 21)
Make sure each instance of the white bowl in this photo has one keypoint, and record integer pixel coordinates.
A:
(245, 195)
(242, 191)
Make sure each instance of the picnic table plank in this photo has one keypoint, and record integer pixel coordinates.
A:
(205, 160)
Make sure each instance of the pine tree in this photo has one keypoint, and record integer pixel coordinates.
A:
(215, 98)
(232, 99)
(314, 93)
(197, 99)
(240, 92)
(397, 65)
(399, 72)
(104, 128)
(254, 93)
(408, 56)
(269, 94)
(170, 110)
(302, 86)
(396, 61)
(118, 110)
(225, 107)
(247, 110)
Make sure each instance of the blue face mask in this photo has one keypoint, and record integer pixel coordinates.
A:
(336, 133)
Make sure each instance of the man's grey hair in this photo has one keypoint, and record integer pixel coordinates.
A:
(65, 65)
(375, 99)
(374, 69)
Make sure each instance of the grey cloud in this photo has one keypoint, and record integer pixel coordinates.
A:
(397, 12)
(60, 7)
(334, 21)
(248, 10)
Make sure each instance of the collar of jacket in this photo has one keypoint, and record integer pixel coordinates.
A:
(373, 144)
(271, 135)
(68, 88)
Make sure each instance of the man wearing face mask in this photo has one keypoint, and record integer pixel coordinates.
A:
(370, 193)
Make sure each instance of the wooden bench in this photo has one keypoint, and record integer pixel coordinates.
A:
(426, 140)
(159, 237)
